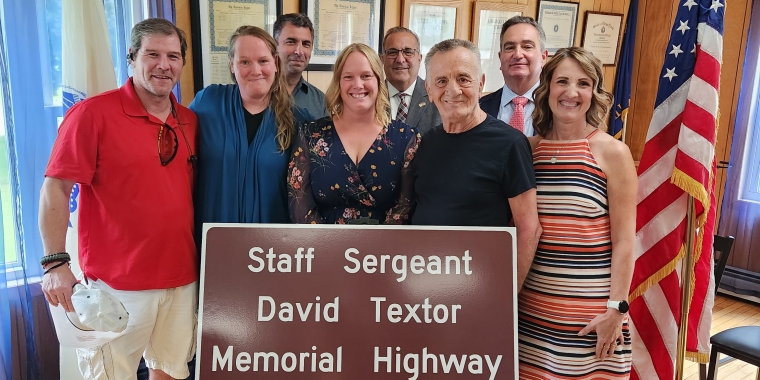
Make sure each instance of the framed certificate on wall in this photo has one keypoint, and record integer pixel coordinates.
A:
(434, 21)
(487, 19)
(559, 20)
(339, 23)
(601, 35)
(217, 20)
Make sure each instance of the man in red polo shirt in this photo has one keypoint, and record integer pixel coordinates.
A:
(131, 151)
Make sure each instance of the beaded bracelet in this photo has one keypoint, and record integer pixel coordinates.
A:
(60, 256)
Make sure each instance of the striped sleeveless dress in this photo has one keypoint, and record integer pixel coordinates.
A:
(569, 281)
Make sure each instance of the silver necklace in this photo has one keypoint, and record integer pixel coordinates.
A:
(554, 157)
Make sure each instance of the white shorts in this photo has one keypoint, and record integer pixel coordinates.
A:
(161, 328)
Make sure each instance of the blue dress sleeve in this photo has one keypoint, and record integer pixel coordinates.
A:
(196, 101)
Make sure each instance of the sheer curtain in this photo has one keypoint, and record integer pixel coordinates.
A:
(14, 298)
(18, 359)
(740, 214)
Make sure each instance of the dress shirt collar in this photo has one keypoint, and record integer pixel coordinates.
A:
(302, 85)
(507, 95)
(392, 91)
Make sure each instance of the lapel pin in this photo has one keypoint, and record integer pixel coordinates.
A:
(422, 104)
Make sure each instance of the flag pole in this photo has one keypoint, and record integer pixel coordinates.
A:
(625, 125)
(686, 275)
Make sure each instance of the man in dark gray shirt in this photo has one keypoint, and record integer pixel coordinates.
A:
(294, 34)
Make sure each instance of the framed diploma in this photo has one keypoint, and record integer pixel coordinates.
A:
(487, 20)
(339, 23)
(434, 21)
(601, 35)
(217, 20)
(559, 20)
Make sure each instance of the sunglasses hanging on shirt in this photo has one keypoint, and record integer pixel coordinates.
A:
(168, 144)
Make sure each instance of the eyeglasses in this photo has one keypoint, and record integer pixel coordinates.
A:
(167, 144)
(408, 52)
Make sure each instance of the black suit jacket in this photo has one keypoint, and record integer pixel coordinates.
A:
(423, 114)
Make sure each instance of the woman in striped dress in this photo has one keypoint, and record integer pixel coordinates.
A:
(572, 323)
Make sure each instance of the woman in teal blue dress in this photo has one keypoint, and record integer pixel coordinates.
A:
(353, 164)
(246, 132)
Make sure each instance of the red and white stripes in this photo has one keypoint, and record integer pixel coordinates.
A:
(678, 161)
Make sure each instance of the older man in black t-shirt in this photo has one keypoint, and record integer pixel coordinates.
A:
(473, 170)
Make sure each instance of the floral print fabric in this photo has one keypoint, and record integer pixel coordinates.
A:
(325, 186)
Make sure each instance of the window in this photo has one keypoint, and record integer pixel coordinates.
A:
(8, 237)
(32, 36)
(750, 179)
(121, 15)
(51, 53)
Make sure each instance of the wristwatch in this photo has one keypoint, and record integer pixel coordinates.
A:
(621, 306)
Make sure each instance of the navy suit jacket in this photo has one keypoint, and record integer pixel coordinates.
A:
(490, 103)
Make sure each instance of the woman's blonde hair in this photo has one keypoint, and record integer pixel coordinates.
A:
(332, 96)
(280, 99)
(601, 100)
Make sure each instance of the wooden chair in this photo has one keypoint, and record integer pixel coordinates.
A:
(742, 343)
(722, 250)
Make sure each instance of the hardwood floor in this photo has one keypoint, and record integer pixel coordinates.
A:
(727, 313)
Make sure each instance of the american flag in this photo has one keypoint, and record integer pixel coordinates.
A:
(678, 162)
(87, 70)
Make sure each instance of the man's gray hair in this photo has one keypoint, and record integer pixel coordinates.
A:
(153, 26)
(400, 29)
(449, 45)
(523, 20)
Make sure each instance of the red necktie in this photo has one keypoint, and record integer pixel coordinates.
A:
(517, 121)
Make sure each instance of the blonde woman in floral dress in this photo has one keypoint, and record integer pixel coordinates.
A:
(353, 164)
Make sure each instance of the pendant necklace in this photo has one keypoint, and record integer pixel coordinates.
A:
(554, 158)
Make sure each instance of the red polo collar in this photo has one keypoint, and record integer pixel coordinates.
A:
(133, 106)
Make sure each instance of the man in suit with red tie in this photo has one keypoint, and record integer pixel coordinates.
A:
(522, 55)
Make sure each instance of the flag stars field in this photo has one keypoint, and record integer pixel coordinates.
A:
(684, 27)
(676, 50)
(670, 74)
